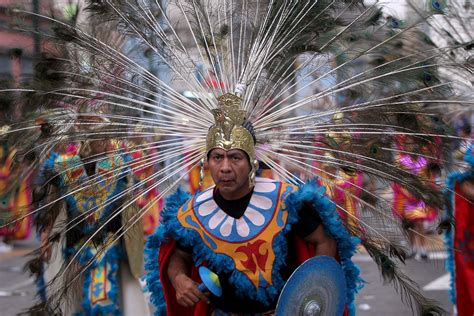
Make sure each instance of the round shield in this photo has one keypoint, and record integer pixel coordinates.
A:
(210, 281)
(316, 288)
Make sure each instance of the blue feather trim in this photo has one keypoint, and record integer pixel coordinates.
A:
(346, 244)
(468, 157)
(49, 163)
(152, 249)
(112, 257)
(449, 235)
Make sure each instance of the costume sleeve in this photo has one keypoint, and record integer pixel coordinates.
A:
(47, 176)
(308, 220)
(48, 173)
(168, 295)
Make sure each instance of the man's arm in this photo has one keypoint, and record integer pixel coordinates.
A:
(179, 269)
(325, 245)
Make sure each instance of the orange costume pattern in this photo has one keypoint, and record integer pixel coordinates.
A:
(344, 191)
(15, 202)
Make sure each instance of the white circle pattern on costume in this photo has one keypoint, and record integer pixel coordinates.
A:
(243, 228)
(216, 219)
(207, 208)
(255, 217)
(261, 201)
(226, 228)
(264, 187)
(205, 195)
(258, 213)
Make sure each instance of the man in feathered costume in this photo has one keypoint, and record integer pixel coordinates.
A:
(253, 232)
(460, 239)
(108, 267)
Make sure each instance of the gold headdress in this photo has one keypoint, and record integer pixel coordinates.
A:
(228, 132)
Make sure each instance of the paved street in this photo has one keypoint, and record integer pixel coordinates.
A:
(378, 299)
(17, 289)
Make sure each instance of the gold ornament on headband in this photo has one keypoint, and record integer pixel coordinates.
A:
(228, 131)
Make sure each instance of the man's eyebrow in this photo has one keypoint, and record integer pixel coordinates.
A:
(235, 154)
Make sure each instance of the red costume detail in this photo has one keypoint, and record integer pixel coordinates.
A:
(464, 258)
(252, 251)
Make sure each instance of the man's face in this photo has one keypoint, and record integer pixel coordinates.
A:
(98, 146)
(230, 172)
(86, 123)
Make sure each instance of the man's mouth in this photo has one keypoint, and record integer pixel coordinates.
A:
(226, 180)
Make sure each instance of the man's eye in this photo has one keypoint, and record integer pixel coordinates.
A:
(236, 158)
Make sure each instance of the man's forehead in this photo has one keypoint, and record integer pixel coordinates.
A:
(230, 152)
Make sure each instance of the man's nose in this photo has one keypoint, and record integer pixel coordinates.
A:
(225, 167)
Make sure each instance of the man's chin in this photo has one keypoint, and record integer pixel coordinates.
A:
(225, 187)
(226, 184)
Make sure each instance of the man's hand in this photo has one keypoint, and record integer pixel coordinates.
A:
(467, 187)
(179, 267)
(45, 249)
(187, 292)
(325, 244)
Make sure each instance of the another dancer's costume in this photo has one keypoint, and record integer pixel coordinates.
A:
(15, 200)
(254, 252)
(344, 190)
(90, 209)
(148, 195)
(405, 204)
(460, 240)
